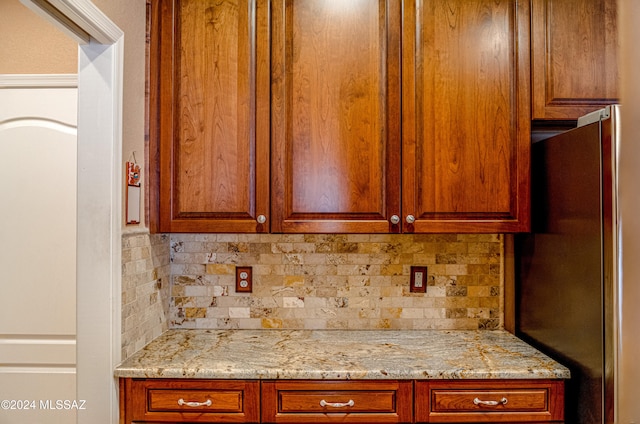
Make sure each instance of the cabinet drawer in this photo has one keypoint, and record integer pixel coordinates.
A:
(337, 401)
(487, 401)
(197, 401)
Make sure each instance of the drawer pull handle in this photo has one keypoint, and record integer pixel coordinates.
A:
(194, 404)
(502, 401)
(324, 403)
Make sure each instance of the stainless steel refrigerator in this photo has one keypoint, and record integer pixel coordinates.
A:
(567, 278)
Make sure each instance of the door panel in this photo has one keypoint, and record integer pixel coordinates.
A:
(465, 116)
(38, 227)
(211, 74)
(335, 115)
(574, 57)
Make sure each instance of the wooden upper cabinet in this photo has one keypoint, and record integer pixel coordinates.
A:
(466, 115)
(574, 57)
(209, 115)
(335, 114)
(340, 116)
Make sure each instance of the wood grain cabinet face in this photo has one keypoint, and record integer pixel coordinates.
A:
(335, 115)
(340, 401)
(193, 401)
(490, 401)
(337, 401)
(574, 57)
(466, 126)
(209, 113)
(340, 116)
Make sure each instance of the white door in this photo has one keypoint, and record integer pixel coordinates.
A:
(38, 260)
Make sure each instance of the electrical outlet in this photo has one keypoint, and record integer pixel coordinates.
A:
(244, 281)
(418, 281)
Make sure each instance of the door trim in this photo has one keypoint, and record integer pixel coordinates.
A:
(99, 271)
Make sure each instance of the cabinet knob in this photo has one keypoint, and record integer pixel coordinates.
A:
(261, 219)
(395, 219)
(410, 219)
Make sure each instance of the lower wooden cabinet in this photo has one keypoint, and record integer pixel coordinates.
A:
(380, 401)
(489, 401)
(189, 401)
(343, 401)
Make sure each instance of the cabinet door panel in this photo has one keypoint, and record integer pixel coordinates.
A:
(185, 400)
(213, 130)
(465, 116)
(335, 115)
(574, 57)
(489, 401)
(364, 401)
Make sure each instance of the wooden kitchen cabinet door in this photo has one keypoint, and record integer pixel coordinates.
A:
(466, 115)
(209, 115)
(335, 111)
(574, 57)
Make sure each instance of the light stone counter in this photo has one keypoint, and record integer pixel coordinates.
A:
(339, 354)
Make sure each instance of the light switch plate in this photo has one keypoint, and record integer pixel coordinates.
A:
(418, 281)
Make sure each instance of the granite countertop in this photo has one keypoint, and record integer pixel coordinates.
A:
(339, 354)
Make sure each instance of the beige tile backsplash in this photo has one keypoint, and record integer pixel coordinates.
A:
(336, 281)
(145, 289)
(308, 281)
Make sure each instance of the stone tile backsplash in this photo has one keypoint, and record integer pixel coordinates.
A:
(336, 281)
(145, 289)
